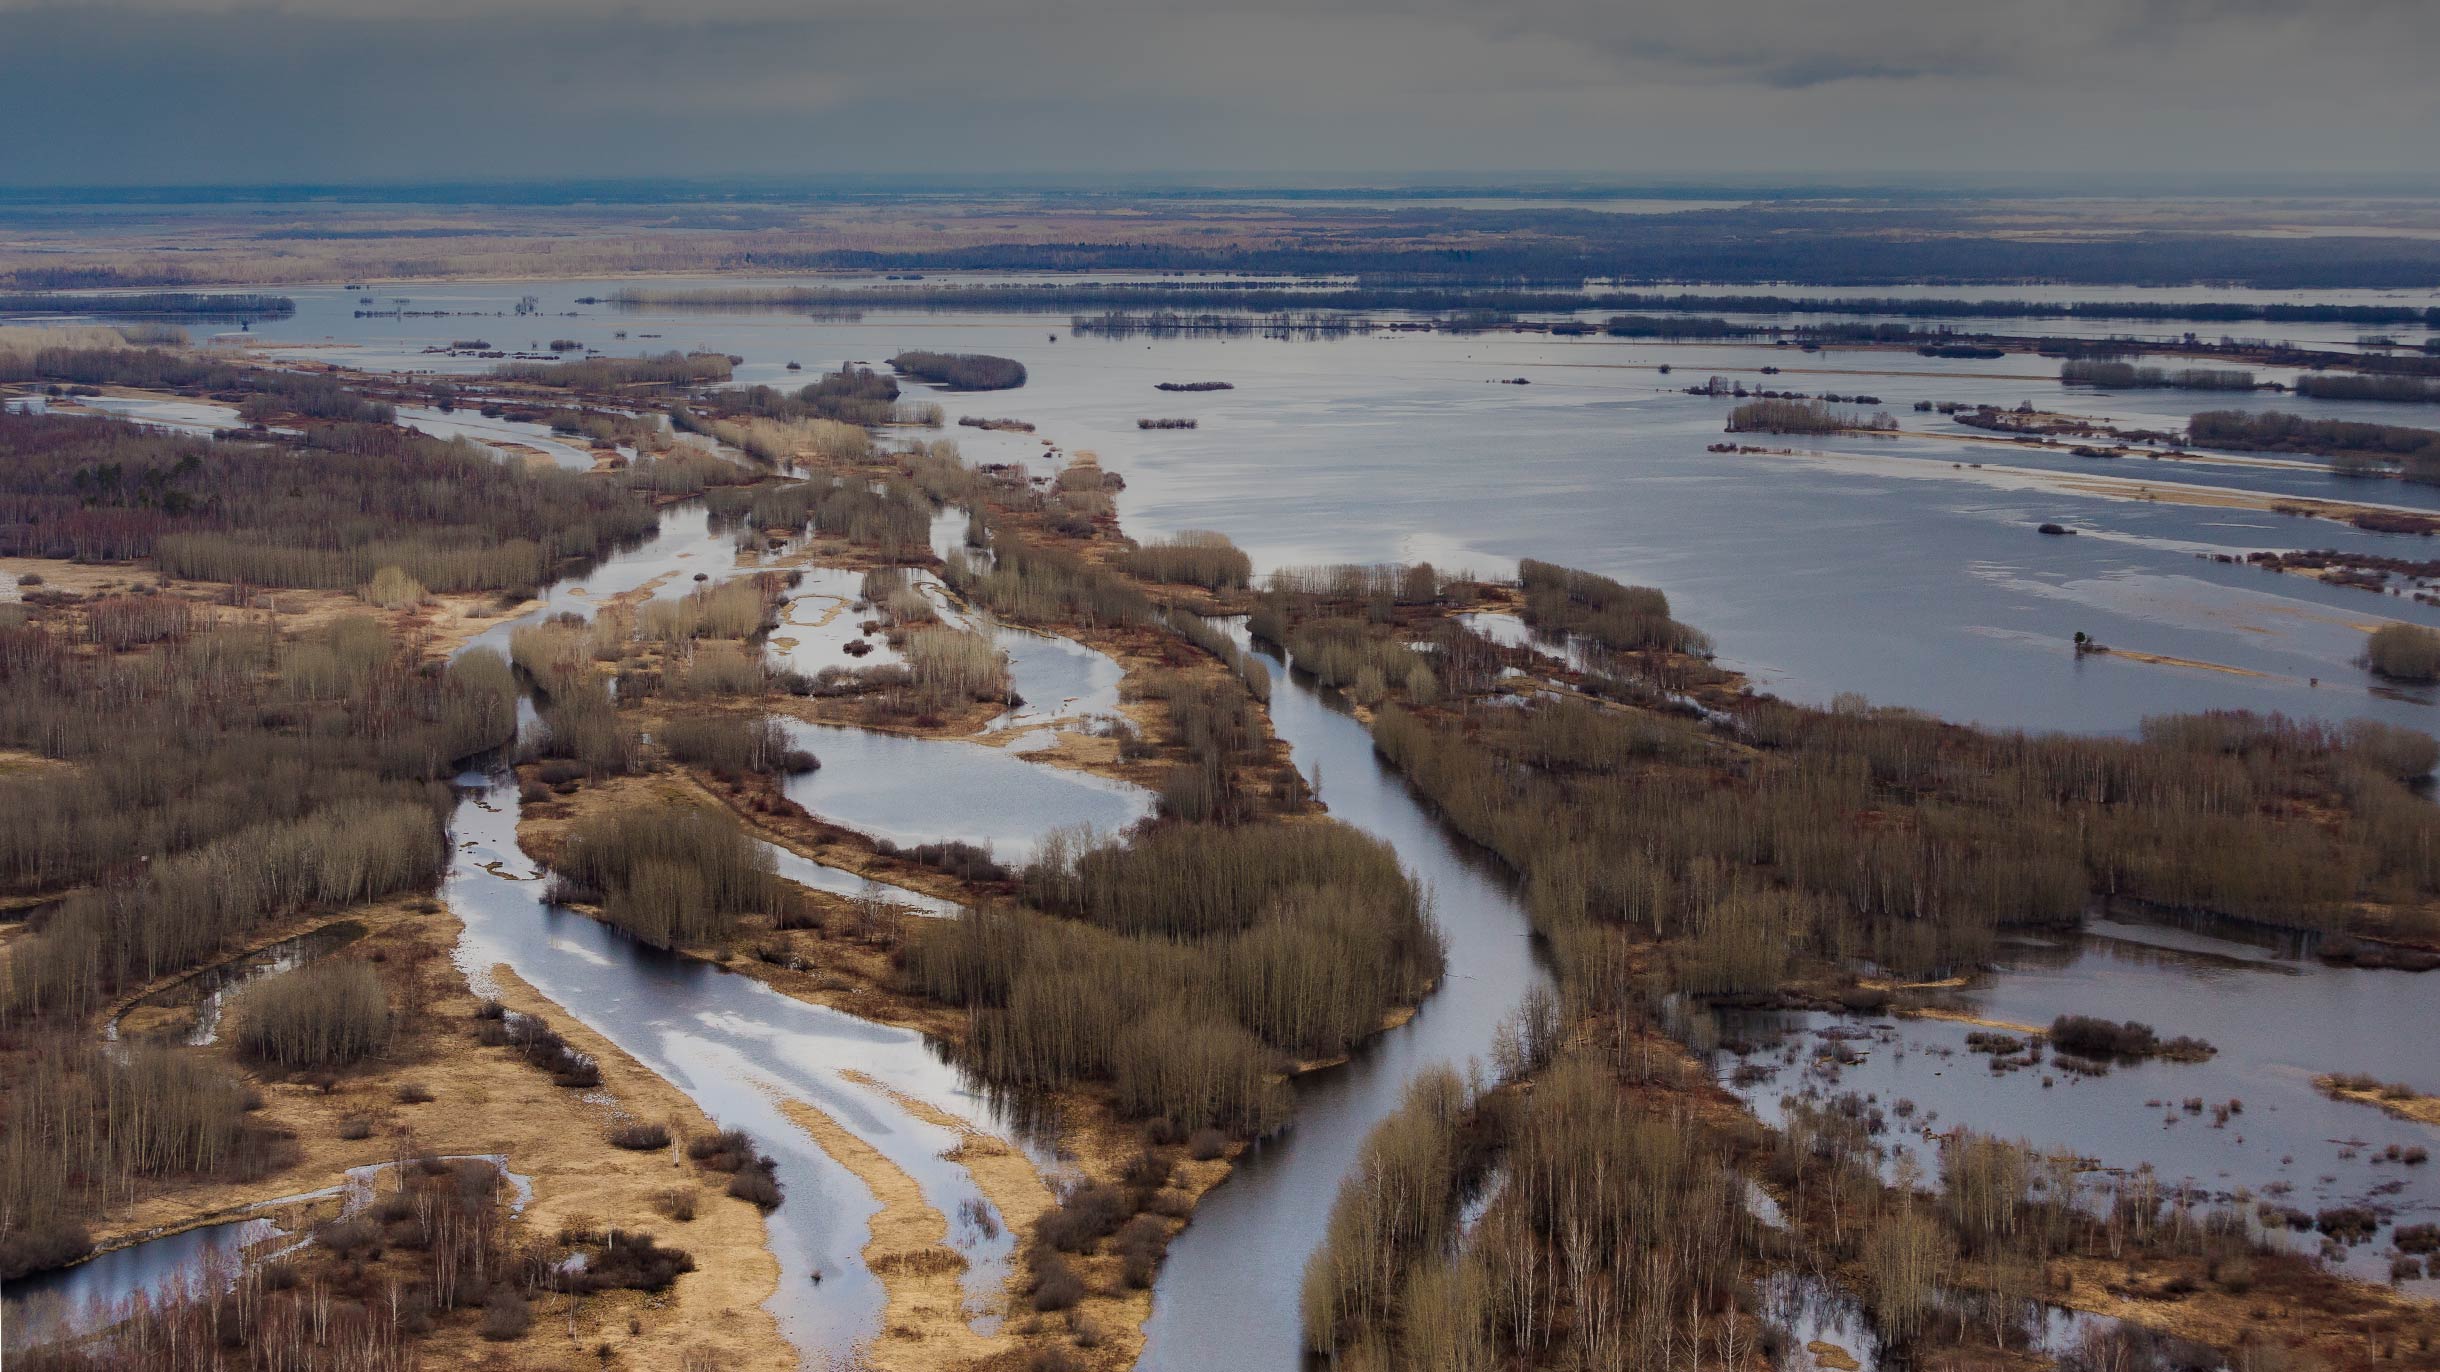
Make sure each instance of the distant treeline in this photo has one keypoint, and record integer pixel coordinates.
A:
(151, 305)
(261, 392)
(2415, 451)
(2128, 376)
(1802, 417)
(607, 373)
(1797, 243)
(2392, 388)
(1289, 295)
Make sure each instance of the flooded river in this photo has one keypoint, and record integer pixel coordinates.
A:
(1894, 567)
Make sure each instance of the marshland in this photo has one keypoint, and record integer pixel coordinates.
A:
(677, 855)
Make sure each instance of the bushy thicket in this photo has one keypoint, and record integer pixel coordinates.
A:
(1185, 968)
(1619, 617)
(1033, 583)
(354, 500)
(734, 744)
(1196, 556)
(373, 1282)
(686, 470)
(673, 876)
(259, 392)
(2403, 389)
(962, 371)
(781, 442)
(611, 373)
(955, 665)
(853, 395)
(895, 520)
(2416, 451)
(1855, 833)
(2404, 652)
(1801, 417)
(329, 1014)
(1222, 733)
(82, 1121)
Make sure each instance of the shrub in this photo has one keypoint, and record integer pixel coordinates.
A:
(757, 1185)
(392, 589)
(506, 1315)
(626, 1262)
(1056, 1285)
(640, 1138)
(2404, 652)
(1087, 1211)
(955, 664)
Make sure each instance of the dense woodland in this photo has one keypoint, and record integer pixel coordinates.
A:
(1860, 833)
(2349, 445)
(2127, 376)
(1676, 858)
(1288, 294)
(326, 511)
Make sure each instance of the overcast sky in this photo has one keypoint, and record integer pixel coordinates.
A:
(142, 91)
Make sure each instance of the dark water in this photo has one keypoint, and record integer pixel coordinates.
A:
(1227, 1297)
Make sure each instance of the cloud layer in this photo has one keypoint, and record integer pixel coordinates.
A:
(213, 90)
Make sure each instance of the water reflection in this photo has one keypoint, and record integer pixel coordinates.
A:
(742, 1052)
(922, 790)
(1819, 577)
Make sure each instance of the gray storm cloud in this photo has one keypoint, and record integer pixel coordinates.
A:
(205, 90)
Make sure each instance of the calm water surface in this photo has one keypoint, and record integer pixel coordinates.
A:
(1874, 565)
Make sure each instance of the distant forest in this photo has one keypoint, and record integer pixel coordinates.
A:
(1831, 249)
(219, 307)
(1269, 296)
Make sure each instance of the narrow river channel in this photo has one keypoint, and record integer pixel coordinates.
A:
(1227, 1297)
